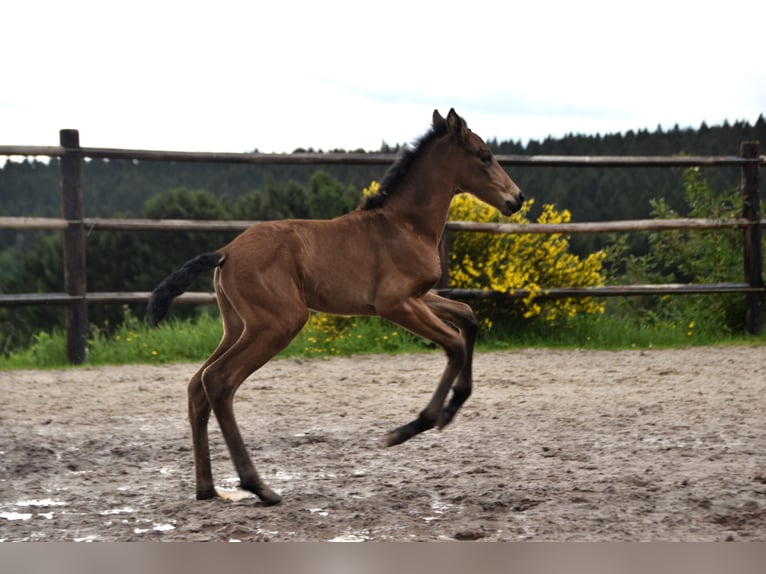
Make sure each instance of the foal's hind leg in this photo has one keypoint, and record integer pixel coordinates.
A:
(199, 415)
(199, 405)
(461, 316)
(256, 345)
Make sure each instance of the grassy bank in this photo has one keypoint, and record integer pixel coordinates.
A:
(194, 340)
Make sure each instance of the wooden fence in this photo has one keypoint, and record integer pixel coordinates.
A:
(75, 226)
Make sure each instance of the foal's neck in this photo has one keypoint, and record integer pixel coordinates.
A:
(426, 192)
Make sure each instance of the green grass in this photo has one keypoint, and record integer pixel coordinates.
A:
(194, 340)
(612, 332)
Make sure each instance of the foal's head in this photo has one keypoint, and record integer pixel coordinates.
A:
(478, 172)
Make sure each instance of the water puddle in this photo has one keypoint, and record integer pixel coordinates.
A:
(43, 502)
(123, 510)
(40, 508)
(349, 538)
(439, 508)
(30, 504)
(155, 528)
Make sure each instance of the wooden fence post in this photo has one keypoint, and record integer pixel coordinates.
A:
(752, 238)
(74, 246)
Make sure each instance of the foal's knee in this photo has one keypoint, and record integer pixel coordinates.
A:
(456, 352)
(469, 324)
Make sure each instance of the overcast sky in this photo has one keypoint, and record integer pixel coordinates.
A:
(277, 75)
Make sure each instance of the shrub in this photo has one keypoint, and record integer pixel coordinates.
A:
(689, 256)
(509, 262)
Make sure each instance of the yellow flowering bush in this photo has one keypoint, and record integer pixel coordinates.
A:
(506, 262)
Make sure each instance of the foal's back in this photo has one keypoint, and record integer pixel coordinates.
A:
(343, 265)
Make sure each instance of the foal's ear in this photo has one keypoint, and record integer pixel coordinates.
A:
(438, 120)
(456, 124)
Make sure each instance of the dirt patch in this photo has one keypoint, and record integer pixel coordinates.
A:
(553, 445)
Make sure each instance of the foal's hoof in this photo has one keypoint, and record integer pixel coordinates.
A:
(207, 494)
(269, 497)
(394, 437)
(406, 432)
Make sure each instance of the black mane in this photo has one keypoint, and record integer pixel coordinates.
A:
(397, 172)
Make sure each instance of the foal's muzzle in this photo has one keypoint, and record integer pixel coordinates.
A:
(511, 206)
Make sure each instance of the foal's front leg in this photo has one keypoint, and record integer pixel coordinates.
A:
(461, 316)
(417, 316)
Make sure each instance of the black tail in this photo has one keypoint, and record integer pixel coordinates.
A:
(178, 282)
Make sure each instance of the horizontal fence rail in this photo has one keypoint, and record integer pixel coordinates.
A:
(75, 226)
(202, 298)
(352, 158)
(174, 225)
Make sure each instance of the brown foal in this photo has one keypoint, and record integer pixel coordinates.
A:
(381, 259)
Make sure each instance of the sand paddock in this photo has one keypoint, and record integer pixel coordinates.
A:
(553, 445)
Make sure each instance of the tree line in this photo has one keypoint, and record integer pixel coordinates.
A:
(111, 187)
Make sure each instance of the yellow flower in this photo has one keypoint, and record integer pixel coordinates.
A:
(373, 189)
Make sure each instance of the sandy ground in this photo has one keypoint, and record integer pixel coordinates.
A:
(553, 445)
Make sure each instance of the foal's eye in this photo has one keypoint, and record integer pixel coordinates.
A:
(485, 156)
